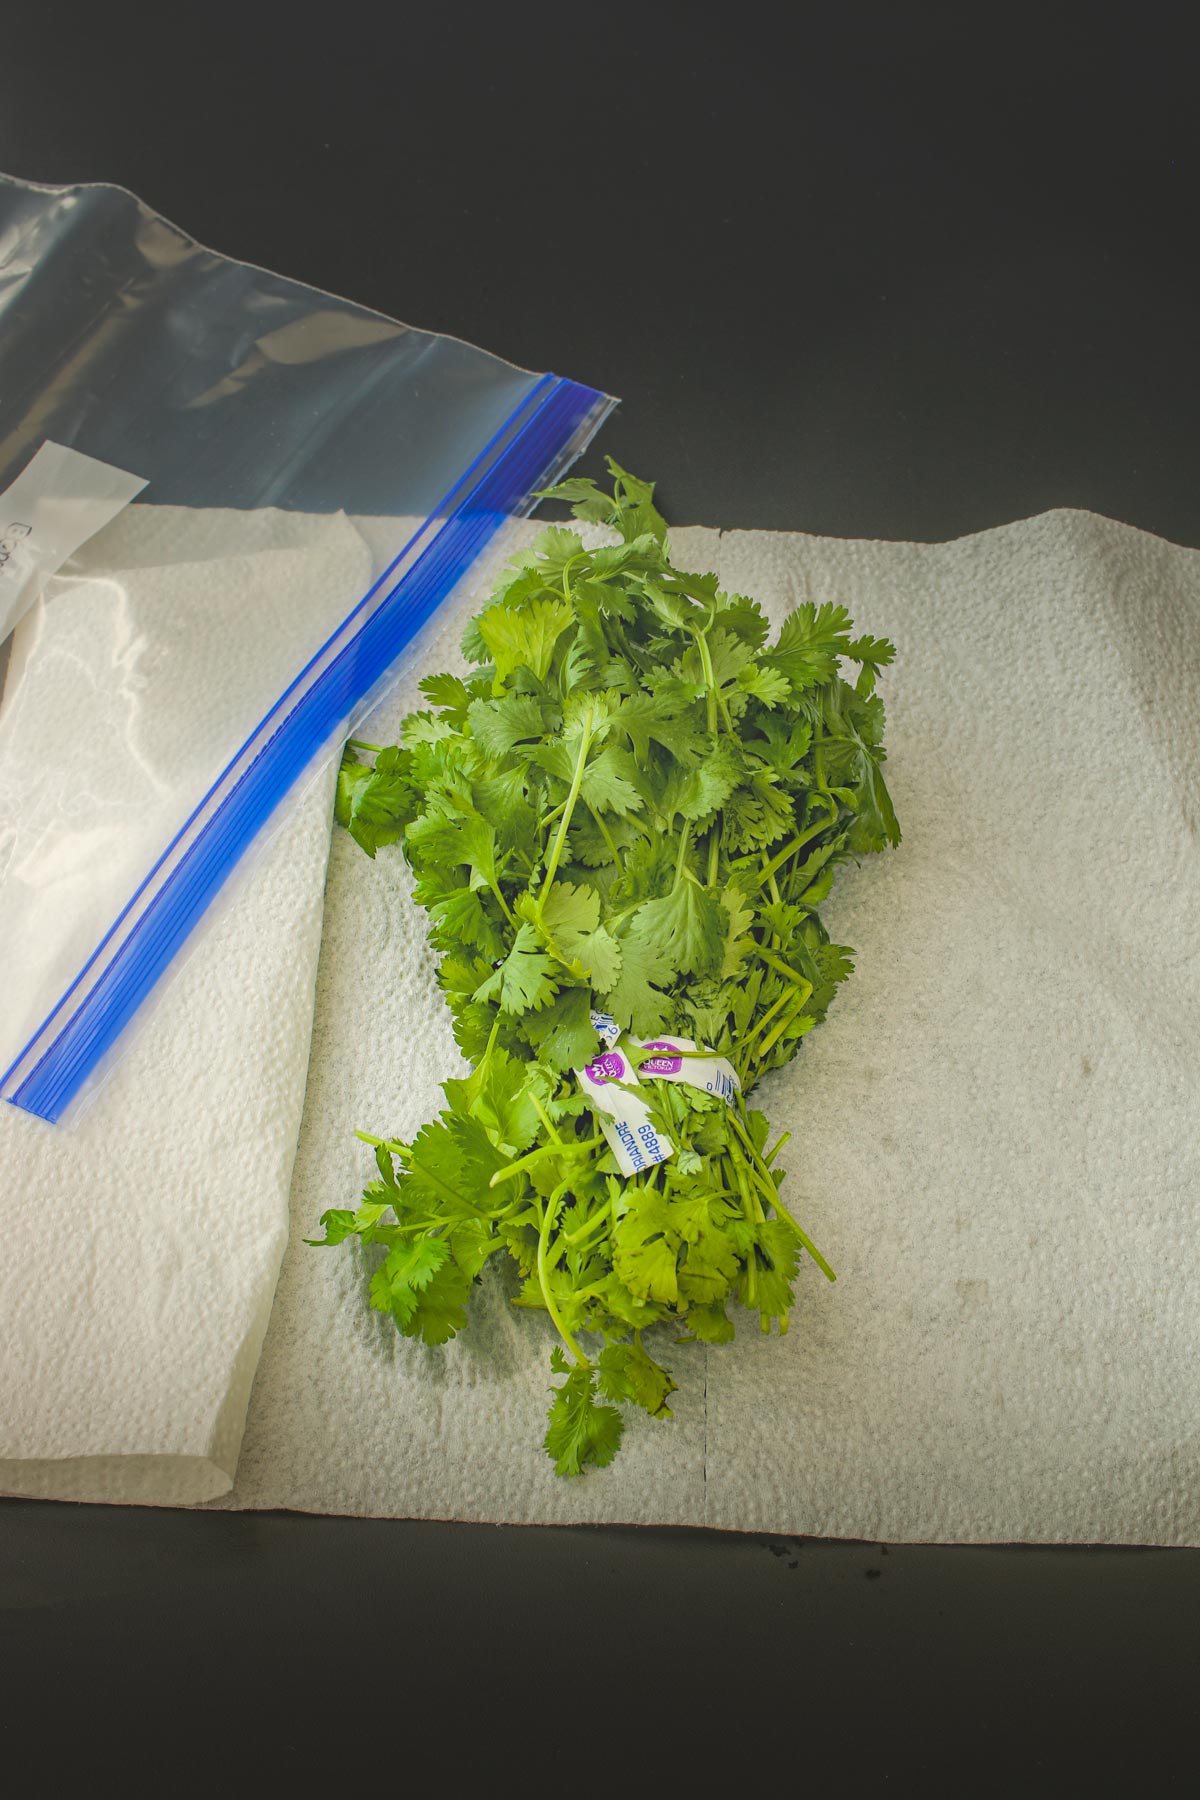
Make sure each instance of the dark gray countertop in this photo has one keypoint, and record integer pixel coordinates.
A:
(886, 271)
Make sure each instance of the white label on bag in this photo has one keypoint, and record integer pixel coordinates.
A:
(624, 1118)
(59, 500)
(605, 1028)
(661, 1058)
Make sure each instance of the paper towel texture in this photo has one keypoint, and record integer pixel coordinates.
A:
(142, 1245)
(1012, 1199)
(994, 1133)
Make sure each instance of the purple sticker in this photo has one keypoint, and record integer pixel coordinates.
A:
(609, 1067)
(661, 1065)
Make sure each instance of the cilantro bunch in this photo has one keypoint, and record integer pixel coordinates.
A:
(635, 802)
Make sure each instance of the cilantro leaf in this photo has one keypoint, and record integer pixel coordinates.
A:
(449, 693)
(498, 725)
(404, 1272)
(769, 685)
(581, 1431)
(645, 1250)
(567, 920)
(380, 804)
(648, 718)
(810, 643)
(352, 773)
(441, 1306)
(524, 638)
(877, 652)
(562, 1033)
(461, 919)
(697, 793)
(636, 999)
(710, 1324)
(502, 1094)
(608, 783)
(525, 979)
(684, 929)
(627, 1372)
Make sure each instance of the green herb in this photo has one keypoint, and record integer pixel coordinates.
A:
(636, 802)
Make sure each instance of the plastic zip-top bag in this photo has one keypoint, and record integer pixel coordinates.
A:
(227, 504)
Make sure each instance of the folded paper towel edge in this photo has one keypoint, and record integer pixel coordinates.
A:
(229, 1425)
(668, 1519)
(133, 1480)
(1148, 536)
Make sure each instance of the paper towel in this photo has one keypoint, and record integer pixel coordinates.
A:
(994, 1132)
(142, 1245)
(1011, 1190)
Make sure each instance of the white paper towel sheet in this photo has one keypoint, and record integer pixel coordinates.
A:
(995, 1130)
(141, 1246)
(994, 1133)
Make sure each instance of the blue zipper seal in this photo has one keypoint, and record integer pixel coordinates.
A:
(536, 443)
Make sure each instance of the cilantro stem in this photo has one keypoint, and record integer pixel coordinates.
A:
(807, 872)
(710, 680)
(549, 1214)
(684, 838)
(525, 1162)
(714, 853)
(357, 744)
(790, 849)
(606, 835)
(781, 1025)
(771, 1192)
(750, 1200)
(769, 1158)
(392, 1144)
(587, 1229)
(585, 744)
(495, 887)
(714, 699)
(739, 1175)
(778, 963)
(786, 1216)
(619, 918)
(764, 1021)
(543, 1115)
(566, 586)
